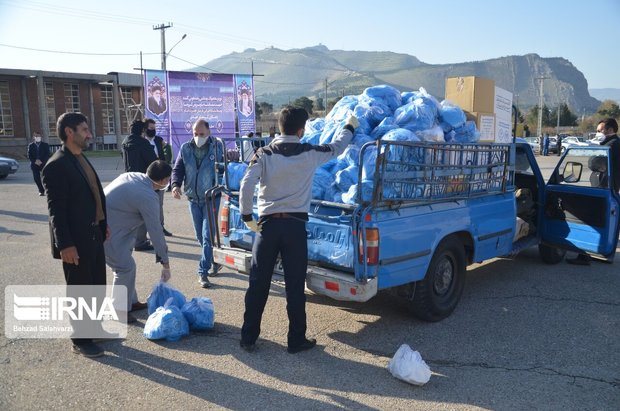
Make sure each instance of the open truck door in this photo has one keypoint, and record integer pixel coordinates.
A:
(581, 209)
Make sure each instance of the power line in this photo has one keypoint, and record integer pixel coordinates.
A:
(72, 52)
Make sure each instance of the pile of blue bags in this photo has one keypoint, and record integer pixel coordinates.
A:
(383, 113)
(174, 318)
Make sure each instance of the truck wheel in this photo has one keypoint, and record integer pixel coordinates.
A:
(551, 255)
(436, 296)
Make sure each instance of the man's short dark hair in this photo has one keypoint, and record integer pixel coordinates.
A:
(137, 126)
(148, 121)
(71, 120)
(158, 170)
(610, 123)
(291, 119)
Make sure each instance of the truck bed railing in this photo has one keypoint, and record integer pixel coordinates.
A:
(430, 172)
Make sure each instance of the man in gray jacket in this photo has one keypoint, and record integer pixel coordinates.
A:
(285, 170)
(132, 203)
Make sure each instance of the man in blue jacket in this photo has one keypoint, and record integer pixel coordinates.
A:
(38, 154)
(194, 169)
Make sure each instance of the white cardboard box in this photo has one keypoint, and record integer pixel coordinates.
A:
(503, 115)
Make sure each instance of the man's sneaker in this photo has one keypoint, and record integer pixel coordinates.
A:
(247, 346)
(306, 345)
(581, 259)
(167, 233)
(215, 269)
(145, 246)
(205, 283)
(90, 350)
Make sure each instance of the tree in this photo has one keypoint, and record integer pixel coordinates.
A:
(265, 107)
(609, 108)
(319, 104)
(532, 117)
(304, 102)
(567, 118)
(257, 110)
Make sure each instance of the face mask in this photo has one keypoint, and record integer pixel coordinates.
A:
(150, 133)
(37, 139)
(160, 186)
(600, 135)
(200, 141)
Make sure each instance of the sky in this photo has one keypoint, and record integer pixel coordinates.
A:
(102, 36)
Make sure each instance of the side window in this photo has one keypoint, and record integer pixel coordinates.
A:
(584, 168)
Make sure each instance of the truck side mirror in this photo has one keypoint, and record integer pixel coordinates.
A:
(572, 172)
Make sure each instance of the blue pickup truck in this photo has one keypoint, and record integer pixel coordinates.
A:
(431, 210)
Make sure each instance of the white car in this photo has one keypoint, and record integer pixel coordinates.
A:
(597, 139)
(572, 141)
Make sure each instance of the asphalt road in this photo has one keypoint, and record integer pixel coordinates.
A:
(524, 336)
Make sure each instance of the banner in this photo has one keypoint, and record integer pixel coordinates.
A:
(244, 90)
(190, 96)
(156, 97)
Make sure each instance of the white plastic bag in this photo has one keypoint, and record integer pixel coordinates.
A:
(408, 365)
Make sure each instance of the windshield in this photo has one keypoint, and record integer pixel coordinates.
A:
(585, 167)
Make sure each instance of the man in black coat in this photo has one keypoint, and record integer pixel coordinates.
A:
(77, 211)
(157, 143)
(38, 154)
(138, 155)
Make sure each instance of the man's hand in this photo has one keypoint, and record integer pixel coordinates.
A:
(165, 274)
(38, 162)
(70, 255)
(108, 233)
(253, 225)
(352, 121)
(176, 192)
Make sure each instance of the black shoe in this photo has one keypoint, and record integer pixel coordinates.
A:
(581, 259)
(90, 350)
(139, 306)
(167, 233)
(205, 283)
(306, 345)
(146, 246)
(247, 346)
(41, 194)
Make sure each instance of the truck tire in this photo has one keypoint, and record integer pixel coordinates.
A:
(551, 255)
(436, 296)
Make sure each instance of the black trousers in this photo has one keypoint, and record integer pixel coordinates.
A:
(91, 270)
(36, 174)
(286, 236)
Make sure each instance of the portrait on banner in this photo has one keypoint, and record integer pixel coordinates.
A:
(156, 96)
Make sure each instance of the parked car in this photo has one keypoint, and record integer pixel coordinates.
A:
(553, 144)
(573, 141)
(534, 142)
(596, 139)
(7, 166)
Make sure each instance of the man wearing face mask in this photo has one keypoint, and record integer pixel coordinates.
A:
(158, 147)
(609, 129)
(194, 169)
(131, 202)
(138, 155)
(38, 154)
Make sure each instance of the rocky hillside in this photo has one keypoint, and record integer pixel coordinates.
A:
(288, 74)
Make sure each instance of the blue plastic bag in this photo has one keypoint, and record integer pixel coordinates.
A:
(434, 134)
(311, 138)
(451, 114)
(383, 94)
(386, 125)
(347, 177)
(417, 115)
(467, 133)
(235, 174)
(322, 180)
(315, 125)
(199, 313)
(342, 109)
(167, 323)
(160, 295)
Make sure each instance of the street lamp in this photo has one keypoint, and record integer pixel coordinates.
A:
(169, 51)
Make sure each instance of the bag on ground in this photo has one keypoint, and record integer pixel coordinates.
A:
(166, 323)
(161, 293)
(408, 365)
(199, 313)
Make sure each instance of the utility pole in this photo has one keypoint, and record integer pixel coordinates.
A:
(163, 28)
(325, 95)
(557, 127)
(540, 107)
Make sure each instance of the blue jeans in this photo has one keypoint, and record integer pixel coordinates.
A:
(201, 229)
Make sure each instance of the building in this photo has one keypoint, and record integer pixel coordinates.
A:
(32, 100)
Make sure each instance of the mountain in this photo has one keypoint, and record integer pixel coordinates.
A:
(606, 94)
(284, 75)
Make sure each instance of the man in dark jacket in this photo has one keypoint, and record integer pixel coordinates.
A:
(38, 154)
(609, 128)
(157, 143)
(77, 211)
(138, 154)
